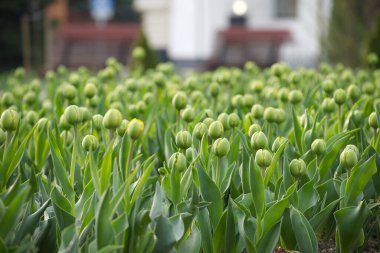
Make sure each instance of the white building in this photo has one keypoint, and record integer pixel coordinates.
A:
(187, 29)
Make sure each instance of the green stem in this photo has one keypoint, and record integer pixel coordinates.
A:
(340, 123)
(178, 119)
(73, 156)
(128, 167)
(217, 172)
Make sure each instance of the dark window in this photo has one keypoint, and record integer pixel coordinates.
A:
(285, 8)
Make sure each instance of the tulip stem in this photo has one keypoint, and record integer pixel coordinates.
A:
(73, 156)
(130, 152)
(217, 172)
(178, 119)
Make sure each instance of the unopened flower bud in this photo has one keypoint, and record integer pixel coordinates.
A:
(297, 168)
(263, 158)
(97, 120)
(177, 162)
(348, 158)
(216, 130)
(257, 111)
(90, 143)
(221, 147)
(135, 129)
(328, 105)
(200, 130)
(259, 141)
(295, 97)
(179, 101)
(372, 120)
(122, 129)
(253, 129)
(277, 143)
(183, 139)
(112, 119)
(353, 92)
(188, 114)
(318, 146)
(90, 90)
(233, 120)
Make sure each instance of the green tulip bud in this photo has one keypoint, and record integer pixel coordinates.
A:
(253, 129)
(179, 101)
(328, 86)
(90, 90)
(354, 148)
(86, 114)
(9, 120)
(73, 114)
(295, 97)
(90, 143)
(263, 158)
(257, 111)
(259, 141)
(97, 121)
(297, 168)
(183, 139)
(372, 120)
(318, 146)
(214, 89)
(200, 130)
(31, 117)
(215, 130)
(177, 162)
(223, 118)
(339, 96)
(208, 121)
(135, 129)
(348, 158)
(237, 101)
(249, 100)
(7, 99)
(47, 106)
(189, 154)
(283, 94)
(368, 88)
(270, 114)
(131, 84)
(138, 53)
(353, 92)
(277, 143)
(63, 123)
(30, 98)
(328, 105)
(122, 129)
(188, 114)
(2, 137)
(159, 80)
(220, 147)
(69, 92)
(112, 119)
(257, 86)
(357, 116)
(94, 101)
(233, 120)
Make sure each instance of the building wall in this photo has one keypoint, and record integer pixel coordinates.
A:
(193, 26)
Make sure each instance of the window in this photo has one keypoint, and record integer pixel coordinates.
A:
(285, 8)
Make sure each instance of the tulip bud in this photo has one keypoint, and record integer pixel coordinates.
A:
(215, 130)
(223, 118)
(90, 143)
(73, 114)
(179, 101)
(138, 53)
(253, 129)
(200, 130)
(189, 154)
(237, 101)
(353, 92)
(31, 117)
(177, 162)
(97, 120)
(372, 120)
(30, 98)
(249, 100)
(354, 148)
(328, 86)
(257, 86)
(277, 143)
(69, 92)
(183, 139)
(208, 121)
(283, 94)
(328, 105)
(188, 114)
(257, 111)
(7, 99)
(348, 158)
(270, 114)
(318, 146)
(112, 119)
(86, 114)
(122, 129)
(339, 96)
(135, 129)
(220, 147)
(214, 89)
(90, 90)
(295, 97)
(233, 120)
(297, 168)
(259, 141)
(9, 120)
(368, 88)
(263, 158)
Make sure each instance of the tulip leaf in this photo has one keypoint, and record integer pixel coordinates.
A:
(305, 236)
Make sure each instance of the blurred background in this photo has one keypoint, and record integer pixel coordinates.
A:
(194, 34)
